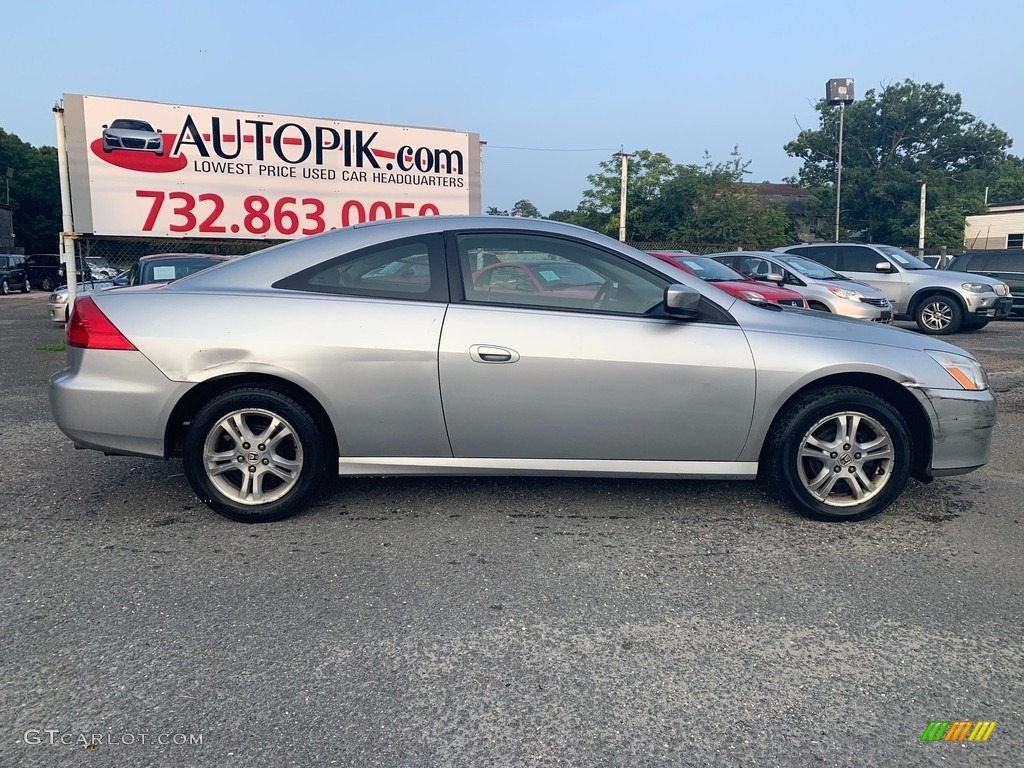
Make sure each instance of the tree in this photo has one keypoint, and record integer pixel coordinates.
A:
(895, 139)
(683, 203)
(526, 209)
(35, 192)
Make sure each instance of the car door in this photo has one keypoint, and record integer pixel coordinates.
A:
(859, 263)
(546, 376)
(1008, 267)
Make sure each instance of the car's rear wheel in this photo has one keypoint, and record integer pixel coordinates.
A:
(840, 453)
(26, 286)
(939, 314)
(254, 455)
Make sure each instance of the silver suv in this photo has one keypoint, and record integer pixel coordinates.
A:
(938, 301)
(825, 290)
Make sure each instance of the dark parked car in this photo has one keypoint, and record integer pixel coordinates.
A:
(13, 273)
(46, 271)
(1006, 265)
(165, 267)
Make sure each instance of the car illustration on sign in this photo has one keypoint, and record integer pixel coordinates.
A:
(129, 133)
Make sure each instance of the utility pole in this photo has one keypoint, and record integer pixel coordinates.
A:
(920, 234)
(622, 194)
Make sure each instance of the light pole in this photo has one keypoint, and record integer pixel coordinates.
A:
(839, 90)
(7, 182)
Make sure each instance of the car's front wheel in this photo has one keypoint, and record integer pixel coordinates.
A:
(47, 284)
(939, 314)
(841, 453)
(254, 455)
(5, 287)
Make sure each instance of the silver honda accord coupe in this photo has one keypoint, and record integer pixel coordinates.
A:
(372, 350)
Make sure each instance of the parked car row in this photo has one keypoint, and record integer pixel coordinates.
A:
(939, 301)
(156, 268)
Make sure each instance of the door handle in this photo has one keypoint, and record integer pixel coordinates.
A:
(488, 353)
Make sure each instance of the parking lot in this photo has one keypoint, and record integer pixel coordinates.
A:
(498, 622)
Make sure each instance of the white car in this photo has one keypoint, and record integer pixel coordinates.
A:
(60, 308)
(132, 134)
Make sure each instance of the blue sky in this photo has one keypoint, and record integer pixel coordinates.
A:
(553, 87)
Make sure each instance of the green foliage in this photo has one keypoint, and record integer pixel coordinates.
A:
(35, 192)
(683, 203)
(894, 139)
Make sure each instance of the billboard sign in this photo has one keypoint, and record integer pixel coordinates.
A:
(145, 169)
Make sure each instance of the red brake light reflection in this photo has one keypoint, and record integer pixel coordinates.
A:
(89, 328)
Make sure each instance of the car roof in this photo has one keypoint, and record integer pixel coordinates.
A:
(178, 256)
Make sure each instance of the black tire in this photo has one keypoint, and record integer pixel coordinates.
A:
(798, 464)
(5, 287)
(224, 469)
(47, 284)
(938, 314)
(26, 286)
(972, 327)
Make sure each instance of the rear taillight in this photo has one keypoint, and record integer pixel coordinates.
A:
(89, 328)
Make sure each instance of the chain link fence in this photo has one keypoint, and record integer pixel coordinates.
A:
(699, 249)
(106, 257)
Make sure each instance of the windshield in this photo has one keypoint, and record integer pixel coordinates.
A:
(132, 125)
(903, 258)
(808, 268)
(710, 270)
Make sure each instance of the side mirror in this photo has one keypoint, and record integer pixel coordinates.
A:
(120, 280)
(776, 278)
(682, 302)
(883, 266)
(104, 125)
(158, 130)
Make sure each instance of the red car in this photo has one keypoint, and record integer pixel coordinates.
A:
(544, 277)
(731, 281)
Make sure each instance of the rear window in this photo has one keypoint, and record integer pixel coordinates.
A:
(408, 269)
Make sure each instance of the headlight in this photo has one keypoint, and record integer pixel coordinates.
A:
(966, 370)
(977, 287)
(843, 293)
(59, 298)
(753, 296)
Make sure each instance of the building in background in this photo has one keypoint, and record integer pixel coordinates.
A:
(1001, 227)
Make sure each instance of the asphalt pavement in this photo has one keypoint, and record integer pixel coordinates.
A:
(497, 622)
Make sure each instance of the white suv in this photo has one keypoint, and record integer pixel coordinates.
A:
(938, 301)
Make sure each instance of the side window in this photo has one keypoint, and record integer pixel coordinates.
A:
(1015, 241)
(980, 261)
(757, 268)
(825, 254)
(550, 272)
(407, 269)
(858, 259)
(1006, 262)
